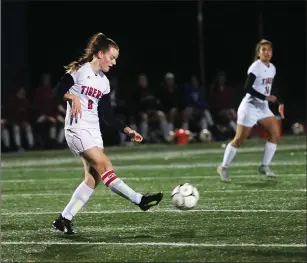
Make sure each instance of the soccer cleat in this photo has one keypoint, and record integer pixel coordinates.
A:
(265, 169)
(149, 201)
(223, 172)
(64, 225)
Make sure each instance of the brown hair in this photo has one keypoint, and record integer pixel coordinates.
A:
(98, 42)
(259, 45)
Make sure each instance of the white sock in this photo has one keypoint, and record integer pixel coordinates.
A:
(29, 135)
(17, 138)
(144, 129)
(208, 116)
(269, 151)
(6, 137)
(41, 119)
(164, 127)
(122, 138)
(78, 200)
(52, 132)
(117, 186)
(233, 125)
(203, 123)
(185, 125)
(61, 136)
(229, 154)
(170, 127)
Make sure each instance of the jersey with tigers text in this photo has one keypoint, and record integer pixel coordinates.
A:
(89, 87)
(264, 78)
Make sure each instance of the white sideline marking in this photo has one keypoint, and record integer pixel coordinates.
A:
(139, 156)
(14, 195)
(147, 178)
(141, 167)
(164, 244)
(161, 211)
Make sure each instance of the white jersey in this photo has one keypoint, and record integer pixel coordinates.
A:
(264, 79)
(89, 87)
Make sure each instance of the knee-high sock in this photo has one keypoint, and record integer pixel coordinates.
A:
(77, 201)
(115, 184)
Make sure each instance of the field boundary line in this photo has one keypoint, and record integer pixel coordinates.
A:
(147, 178)
(167, 244)
(167, 192)
(139, 156)
(135, 167)
(161, 211)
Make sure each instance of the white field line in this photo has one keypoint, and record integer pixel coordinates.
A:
(160, 211)
(139, 156)
(146, 178)
(153, 166)
(161, 244)
(15, 195)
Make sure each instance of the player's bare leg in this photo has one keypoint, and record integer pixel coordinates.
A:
(270, 124)
(102, 164)
(241, 135)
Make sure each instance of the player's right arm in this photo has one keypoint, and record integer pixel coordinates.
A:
(61, 93)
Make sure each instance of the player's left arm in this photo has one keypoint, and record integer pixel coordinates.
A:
(63, 87)
(275, 92)
(109, 118)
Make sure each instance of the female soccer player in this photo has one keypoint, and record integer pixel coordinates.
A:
(84, 86)
(254, 109)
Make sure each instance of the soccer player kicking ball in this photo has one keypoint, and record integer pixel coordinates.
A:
(84, 87)
(254, 109)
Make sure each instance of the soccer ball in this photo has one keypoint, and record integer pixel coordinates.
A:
(185, 196)
(297, 128)
(205, 136)
(170, 137)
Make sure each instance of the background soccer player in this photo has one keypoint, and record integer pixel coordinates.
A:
(254, 108)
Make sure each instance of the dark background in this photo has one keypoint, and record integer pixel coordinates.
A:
(154, 38)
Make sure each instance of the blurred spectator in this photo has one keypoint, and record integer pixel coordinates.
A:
(223, 104)
(19, 115)
(60, 124)
(196, 107)
(148, 106)
(171, 98)
(121, 109)
(5, 135)
(47, 111)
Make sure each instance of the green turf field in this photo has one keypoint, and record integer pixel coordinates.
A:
(252, 219)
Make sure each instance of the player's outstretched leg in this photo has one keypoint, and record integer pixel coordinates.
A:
(231, 150)
(270, 124)
(96, 157)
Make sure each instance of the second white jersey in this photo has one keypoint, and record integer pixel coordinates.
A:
(89, 87)
(264, 78)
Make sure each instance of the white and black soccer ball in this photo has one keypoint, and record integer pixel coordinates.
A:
(185, 196)
(297, 128)
(170, 137)
(205, 136)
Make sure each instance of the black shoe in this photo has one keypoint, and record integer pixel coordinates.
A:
(149, 201)
(64, 225)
